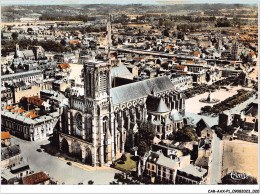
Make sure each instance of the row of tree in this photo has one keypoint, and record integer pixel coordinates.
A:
(83, 18)
(48, 45)
(228, 103)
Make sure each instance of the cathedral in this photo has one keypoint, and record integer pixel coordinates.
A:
(97, 126)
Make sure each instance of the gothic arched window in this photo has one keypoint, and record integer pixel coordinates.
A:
(79, 121)
(78, 124)
(89, 129)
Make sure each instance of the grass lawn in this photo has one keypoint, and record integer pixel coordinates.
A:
(241, 156)
(130, 163)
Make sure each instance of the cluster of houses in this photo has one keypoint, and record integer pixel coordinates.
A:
(245, 123)
(181, 162)
(14, 168)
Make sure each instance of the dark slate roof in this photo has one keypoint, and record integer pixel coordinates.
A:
(120, 70)
(26, 73)
(156, 104)
(202, 124)
(119, 81)
(8, 152)
(140, 89)
(20, 168)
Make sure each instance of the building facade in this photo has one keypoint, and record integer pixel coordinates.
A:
(27, 77)
(28, 125)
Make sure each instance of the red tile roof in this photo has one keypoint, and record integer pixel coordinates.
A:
(183, 72)
(189, 61)
(9, 107)
(138, 58)
(64, 65)
(180, 67)
(195, 53)
(33, 100)
(32, 115)
(74, 41)
(19, 110)
(36, 178)
(5, 135)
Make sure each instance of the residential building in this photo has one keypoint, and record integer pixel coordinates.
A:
(162, 168)
(191, 175)
(5, 139)
(10, 156)
(28, 124)
(27, 77)
(39, 178)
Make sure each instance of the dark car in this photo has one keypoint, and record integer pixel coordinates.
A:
(39, 150)
(69, 163)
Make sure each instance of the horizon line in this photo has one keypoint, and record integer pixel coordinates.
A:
(127, 2)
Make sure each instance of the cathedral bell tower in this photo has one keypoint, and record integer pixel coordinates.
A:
(97, 82)
(97, 79)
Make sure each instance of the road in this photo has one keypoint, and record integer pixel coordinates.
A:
(216, 161)
(58, 169)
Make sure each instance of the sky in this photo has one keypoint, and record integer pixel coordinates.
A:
(158, 2)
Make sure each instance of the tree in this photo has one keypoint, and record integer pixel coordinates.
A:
(146, 133)
(123, 158)
(29, 30)
(166, 33)
(160, 22)
(35, 42)
(142, 148)
(15, 35)
(206, 109)
(186, 134)
(63, 42)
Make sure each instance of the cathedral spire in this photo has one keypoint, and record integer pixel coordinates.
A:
(108, 46)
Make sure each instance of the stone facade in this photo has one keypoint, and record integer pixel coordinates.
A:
(32, 129)
(27, 77)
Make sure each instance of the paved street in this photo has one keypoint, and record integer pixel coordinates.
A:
(216, 161)
(58, 169)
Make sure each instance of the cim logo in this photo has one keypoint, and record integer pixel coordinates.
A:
(238, 176)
